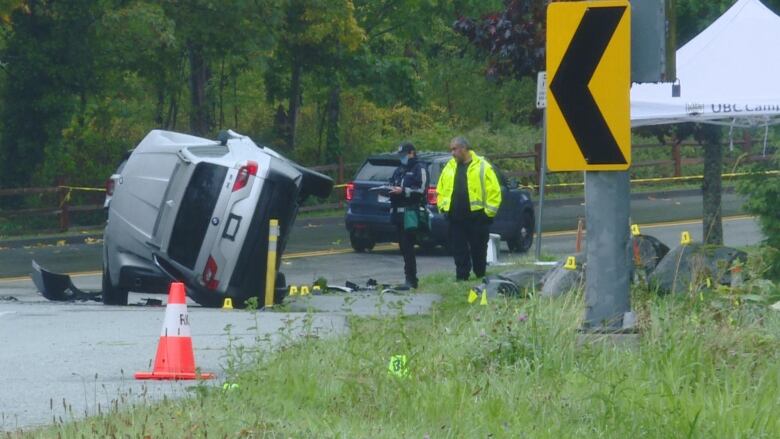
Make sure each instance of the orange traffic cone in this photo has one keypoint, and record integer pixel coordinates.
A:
(175, 359)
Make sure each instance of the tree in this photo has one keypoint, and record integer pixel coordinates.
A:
(513, 39)
(50, 66)
(313, 34)
(213, 33)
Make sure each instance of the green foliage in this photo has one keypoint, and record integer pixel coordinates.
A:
(51, 75)
(763, 200)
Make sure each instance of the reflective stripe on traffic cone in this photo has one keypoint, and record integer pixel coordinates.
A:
(175, 359)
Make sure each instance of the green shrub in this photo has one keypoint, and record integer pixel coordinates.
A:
(763, 200)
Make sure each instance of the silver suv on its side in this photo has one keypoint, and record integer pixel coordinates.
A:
(197, 210)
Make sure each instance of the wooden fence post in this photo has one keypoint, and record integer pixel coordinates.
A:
(63, 201)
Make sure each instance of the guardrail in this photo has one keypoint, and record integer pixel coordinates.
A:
(529, 173)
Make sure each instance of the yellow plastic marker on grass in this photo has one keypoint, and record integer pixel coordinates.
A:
(228, 303)
(635, 230)
(304, 290)
(484, 298)
(293, 290)
(685, 238)
(472, 296)
(571, 263)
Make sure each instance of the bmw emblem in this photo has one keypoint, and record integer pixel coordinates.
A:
(215, 221)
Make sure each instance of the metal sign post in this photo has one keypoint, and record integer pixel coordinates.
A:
(541, 103)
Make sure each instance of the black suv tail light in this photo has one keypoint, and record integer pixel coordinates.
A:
(431, 195)
(349, 191)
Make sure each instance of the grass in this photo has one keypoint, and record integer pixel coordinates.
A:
(705, 366)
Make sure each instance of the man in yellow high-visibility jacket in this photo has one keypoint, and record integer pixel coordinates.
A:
(469, 196)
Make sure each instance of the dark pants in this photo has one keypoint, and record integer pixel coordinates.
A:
(406, 241)
(468, 240)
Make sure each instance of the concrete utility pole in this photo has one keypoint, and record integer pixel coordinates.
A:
(607, 282)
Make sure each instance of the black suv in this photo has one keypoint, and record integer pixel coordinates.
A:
(368, 212)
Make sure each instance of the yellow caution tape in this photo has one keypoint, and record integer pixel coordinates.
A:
(80, 188)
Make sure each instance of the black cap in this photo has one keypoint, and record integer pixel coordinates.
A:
(405, 148)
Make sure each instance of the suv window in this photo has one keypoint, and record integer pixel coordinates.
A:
(377, 170)
(194, 216)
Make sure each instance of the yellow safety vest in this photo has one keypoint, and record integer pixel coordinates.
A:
(484, 189)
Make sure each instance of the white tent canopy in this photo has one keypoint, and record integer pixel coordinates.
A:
(728, 74)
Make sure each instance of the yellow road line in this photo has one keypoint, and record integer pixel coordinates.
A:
(341, 251)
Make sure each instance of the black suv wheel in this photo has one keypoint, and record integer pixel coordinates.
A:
(521, 242)
(361, 242)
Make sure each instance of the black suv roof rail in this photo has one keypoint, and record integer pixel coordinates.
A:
(424, 156)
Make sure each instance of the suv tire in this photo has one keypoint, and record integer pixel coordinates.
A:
(112, 295)
(360, 243)
(521, 242)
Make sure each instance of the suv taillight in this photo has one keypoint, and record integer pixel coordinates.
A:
(349, 191)
(432, 196)
(243, 175)
(209, 274)
(110, 183)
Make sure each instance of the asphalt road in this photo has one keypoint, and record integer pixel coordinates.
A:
(327, 235)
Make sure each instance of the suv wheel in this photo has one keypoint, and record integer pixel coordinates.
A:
(360, 243)
(112, 295)
(521, 242)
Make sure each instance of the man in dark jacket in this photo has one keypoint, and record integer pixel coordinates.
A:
(407, 195)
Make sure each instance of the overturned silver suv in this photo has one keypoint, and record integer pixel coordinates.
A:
(197, 210)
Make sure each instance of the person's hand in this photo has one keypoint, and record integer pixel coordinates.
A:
(396, 190)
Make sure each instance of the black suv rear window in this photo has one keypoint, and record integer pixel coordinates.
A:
(377, 170)
(194, 216)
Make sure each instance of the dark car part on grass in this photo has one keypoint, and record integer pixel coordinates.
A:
(367, 218)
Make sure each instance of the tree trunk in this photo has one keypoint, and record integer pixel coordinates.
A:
(711, 193)
(199, 77)
(295, 103)
(332, 144)
(159, 118)
(321, 119)
(222, 82)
